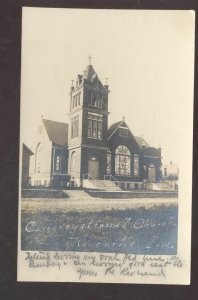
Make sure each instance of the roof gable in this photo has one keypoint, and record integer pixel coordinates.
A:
(57, 132)
(114, 127)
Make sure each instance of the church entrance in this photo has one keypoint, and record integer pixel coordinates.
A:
(151, 173)
(93, 167)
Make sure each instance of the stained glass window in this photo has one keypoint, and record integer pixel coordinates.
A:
(108, 162)
(122, 161)
(136, 165)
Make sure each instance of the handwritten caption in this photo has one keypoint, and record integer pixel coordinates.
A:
(93, 265)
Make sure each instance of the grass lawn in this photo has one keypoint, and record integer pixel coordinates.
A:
(124, 227)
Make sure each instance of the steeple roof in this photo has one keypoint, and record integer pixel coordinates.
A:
(89, 72)
(91, 76)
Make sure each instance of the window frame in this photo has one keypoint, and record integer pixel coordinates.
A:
(73, 161)
(123, 131)
(109, 160)
(136, 165)
(58, 164)
(122, 161)
(75, 127)
(96, 100)
(94, 130)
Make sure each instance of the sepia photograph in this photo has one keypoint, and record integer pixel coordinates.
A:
(106, 145)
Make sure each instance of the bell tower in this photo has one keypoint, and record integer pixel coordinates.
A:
(88, 125)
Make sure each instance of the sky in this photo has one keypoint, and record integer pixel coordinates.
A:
(148, 57)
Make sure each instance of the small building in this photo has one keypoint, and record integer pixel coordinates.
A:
(26, 154)
(170, 171)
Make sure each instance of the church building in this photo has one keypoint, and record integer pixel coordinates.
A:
(87, 147)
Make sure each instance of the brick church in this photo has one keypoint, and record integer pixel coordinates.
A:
(87, 148)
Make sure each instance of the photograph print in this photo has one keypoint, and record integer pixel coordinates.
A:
(106, 142)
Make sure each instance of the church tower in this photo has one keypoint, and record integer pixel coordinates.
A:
(88, 126)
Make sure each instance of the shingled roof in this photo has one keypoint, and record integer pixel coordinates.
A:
(57, 132)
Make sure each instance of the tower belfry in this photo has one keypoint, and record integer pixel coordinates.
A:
(88, 125)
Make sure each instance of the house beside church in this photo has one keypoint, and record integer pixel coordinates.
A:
(26, 154)
(87, 147)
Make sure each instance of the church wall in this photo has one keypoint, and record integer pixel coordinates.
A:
(40, 178)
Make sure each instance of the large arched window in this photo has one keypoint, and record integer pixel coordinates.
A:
(122, 161)
(37, 159)
(73, 161)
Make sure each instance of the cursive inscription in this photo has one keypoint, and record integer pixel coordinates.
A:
(91, 265)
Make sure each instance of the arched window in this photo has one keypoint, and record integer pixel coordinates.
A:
(136, 165)
(37, 159)
(108, 162)
(122, 161)
(73, 161)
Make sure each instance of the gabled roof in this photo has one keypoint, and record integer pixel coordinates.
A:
(113, 128)
(57, 132)
(152, 151)
(141, 141)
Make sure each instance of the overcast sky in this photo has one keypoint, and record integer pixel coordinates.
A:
(147, 56)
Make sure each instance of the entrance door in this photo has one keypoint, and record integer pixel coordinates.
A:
(151, 173)
(93, 168)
